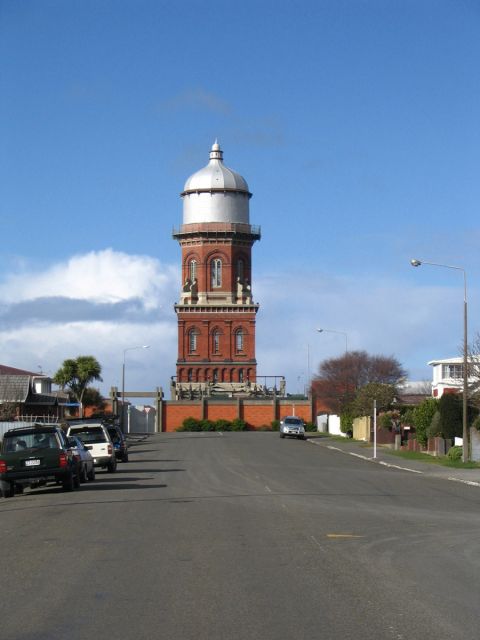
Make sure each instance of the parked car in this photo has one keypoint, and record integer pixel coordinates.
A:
(96, 439)
(32, 456)
(292, 426)
(119, 442)
(84, 458)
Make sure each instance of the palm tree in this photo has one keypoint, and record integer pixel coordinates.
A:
(77, 374)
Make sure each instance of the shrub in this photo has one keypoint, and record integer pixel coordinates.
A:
(223, 425)
(239, 425)
(310, 426)
(346, 423)
(275, 425)
(455, 453)
(385, 420)
(408, 418)
(434, 429)
(450, 408)
(207, 425)
(476, 423)
(190, 424)
(422, 418)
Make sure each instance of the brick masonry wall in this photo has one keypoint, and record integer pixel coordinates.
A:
(174, 413)
(255, 413)
(222, 411)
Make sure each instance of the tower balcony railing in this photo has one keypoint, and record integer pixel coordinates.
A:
(218, 228)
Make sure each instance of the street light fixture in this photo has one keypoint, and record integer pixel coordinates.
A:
(144, 346)
(417, 263)
(335, 331)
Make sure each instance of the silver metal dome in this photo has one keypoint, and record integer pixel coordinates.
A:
(215, 193)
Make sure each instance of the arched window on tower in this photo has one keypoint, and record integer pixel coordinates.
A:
(215, 375)
(190, 375)
(240, 375)
(192, 270)
(239, 340)
(240, 269)
(192, 340)
(216, 272)
(216, 341)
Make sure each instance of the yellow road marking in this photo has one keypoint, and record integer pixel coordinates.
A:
(342, 535)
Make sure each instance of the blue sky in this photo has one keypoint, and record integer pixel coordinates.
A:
(355, 124)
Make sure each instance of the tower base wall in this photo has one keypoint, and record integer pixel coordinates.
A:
(257, 413)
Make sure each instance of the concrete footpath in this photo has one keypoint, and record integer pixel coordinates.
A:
(364, 451)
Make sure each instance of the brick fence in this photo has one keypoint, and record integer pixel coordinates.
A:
(257, 413)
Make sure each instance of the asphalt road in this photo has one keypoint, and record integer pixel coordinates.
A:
(242, 536)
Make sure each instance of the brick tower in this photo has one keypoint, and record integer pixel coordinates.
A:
(216, 312)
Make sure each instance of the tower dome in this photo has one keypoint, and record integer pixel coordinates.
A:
(215, 193)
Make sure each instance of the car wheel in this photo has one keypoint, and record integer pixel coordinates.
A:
(282, 435)
(125, 457)
(91, 473)
(8, 490)
(68, 482)
(112, 466)
(76, 480)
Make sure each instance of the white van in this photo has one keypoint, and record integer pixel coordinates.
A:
(96, 439)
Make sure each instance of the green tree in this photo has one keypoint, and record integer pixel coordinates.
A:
(422, 418)
(382, 393)
(93, 398)
(450, 409)
(76, 375)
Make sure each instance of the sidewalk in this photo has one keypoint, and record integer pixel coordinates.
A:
(364, 451)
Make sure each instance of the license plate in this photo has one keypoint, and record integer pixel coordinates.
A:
(32, 463)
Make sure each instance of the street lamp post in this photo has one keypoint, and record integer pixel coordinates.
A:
(335, 331)
(417, 263)
(144, 346)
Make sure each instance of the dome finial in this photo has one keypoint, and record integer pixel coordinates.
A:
(216, 153)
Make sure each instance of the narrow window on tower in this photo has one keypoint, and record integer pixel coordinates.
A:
(240, 269)
(215, 375)
(239, 340)
(216, 267)
(240, 375)
(216, 341)
(192, 340)
(193, 270)
(190, 375)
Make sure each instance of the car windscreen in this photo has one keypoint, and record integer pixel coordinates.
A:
(29, 440)
(89, 434)
(295, 421)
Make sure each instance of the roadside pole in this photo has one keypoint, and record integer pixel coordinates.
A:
(374, 429)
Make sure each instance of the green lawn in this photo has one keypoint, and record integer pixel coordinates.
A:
(440, 460)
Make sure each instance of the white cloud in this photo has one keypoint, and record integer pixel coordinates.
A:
(101, 303)
(104, 276)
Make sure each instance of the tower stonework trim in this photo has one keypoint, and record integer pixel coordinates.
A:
(216, 313)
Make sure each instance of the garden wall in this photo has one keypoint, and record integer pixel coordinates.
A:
(257, 413)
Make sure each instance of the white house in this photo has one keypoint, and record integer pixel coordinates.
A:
(448, 375)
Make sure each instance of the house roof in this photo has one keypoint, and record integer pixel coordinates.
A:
(6, 370)
(457, 360)
(14, 388)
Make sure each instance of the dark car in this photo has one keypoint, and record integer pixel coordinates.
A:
(119, 442)
(32, 456)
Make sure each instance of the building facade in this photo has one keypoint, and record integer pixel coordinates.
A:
(448, 375)
(216, 312)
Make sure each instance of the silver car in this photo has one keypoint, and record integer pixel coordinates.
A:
(292, 426)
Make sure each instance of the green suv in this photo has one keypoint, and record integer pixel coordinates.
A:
(32, 456)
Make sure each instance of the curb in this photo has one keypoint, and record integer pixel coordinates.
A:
(470, 483)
